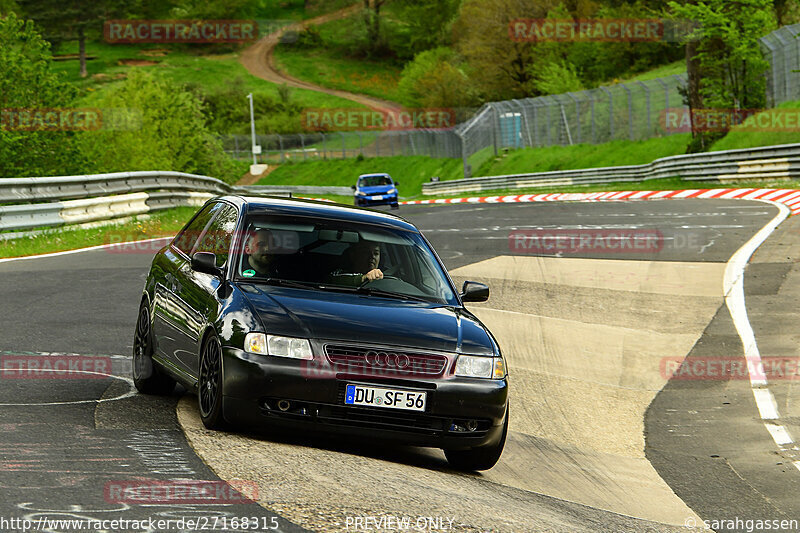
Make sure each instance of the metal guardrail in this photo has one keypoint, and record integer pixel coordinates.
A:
(87, 199)
(57, 201)
(13, 190)
(765, 163)
(293, 189)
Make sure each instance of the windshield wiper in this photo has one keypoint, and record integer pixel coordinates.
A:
(342, 288)
(291, 283)
(391, 294)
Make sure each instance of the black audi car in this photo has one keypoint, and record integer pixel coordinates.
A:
(319, 316)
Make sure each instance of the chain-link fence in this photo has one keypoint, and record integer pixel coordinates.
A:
(782, 50)
(340, 145)
(635, 110)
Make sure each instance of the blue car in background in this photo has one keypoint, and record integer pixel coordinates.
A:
(375, 189)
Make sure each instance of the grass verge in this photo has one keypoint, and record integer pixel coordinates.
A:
(158, 224)
(615, 153)
(411, 171)
(328, 68)
(182, 64)
(750, 134)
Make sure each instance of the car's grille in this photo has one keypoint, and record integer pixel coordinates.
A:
(397, 420)
(383, 362)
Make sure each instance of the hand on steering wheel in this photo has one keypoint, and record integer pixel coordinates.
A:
(370, 280)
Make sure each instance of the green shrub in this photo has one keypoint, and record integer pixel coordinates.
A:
(166, 130)
(27, 84)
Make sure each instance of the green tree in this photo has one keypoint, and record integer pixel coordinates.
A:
(216, 9)
(8, 6)
(556, 77)
(166, 130)
(71, 20)
(724, 60)
(426, 23)
(482, 38)
(372, 21)
(437, 78)
(27, 84)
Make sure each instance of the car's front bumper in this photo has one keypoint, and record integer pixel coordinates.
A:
(386, 200)
(254, 384)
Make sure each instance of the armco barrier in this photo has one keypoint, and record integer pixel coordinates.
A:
(55, 201)
(27, 190)
(764, 163)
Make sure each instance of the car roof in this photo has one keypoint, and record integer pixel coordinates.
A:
(313, 208)
(382, 174)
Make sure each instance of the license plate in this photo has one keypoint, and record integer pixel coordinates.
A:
(377, 197)
(389, 398)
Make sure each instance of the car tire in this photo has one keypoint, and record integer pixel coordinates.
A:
(480, 458)
(209, 384)
(147, 377)
(395, 206)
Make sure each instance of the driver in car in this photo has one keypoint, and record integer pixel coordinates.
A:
(363, 259)
(259, 255)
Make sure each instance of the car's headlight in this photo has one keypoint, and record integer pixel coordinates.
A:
(278, 346)
(391, 191)
(360, 193)
(476, 366)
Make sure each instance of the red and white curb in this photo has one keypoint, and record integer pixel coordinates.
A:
(788, 197)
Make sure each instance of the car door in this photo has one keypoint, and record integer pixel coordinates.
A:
(167, 314)
(196, 292)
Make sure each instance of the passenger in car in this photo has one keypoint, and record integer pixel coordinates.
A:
(362, 260)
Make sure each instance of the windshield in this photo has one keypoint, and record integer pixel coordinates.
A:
(374, 181)
(341, 256)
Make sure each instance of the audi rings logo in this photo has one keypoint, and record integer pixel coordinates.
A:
(387, 360)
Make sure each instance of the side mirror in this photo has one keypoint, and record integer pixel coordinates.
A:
(206, 262)
(473, 291)
(353, 187)
(396, 183)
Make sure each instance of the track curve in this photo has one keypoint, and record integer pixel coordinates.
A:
(583, 335)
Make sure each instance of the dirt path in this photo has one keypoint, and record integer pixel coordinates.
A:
(259, 60)
(249, 179)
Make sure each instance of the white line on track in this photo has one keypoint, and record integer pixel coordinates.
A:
(733, 288)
